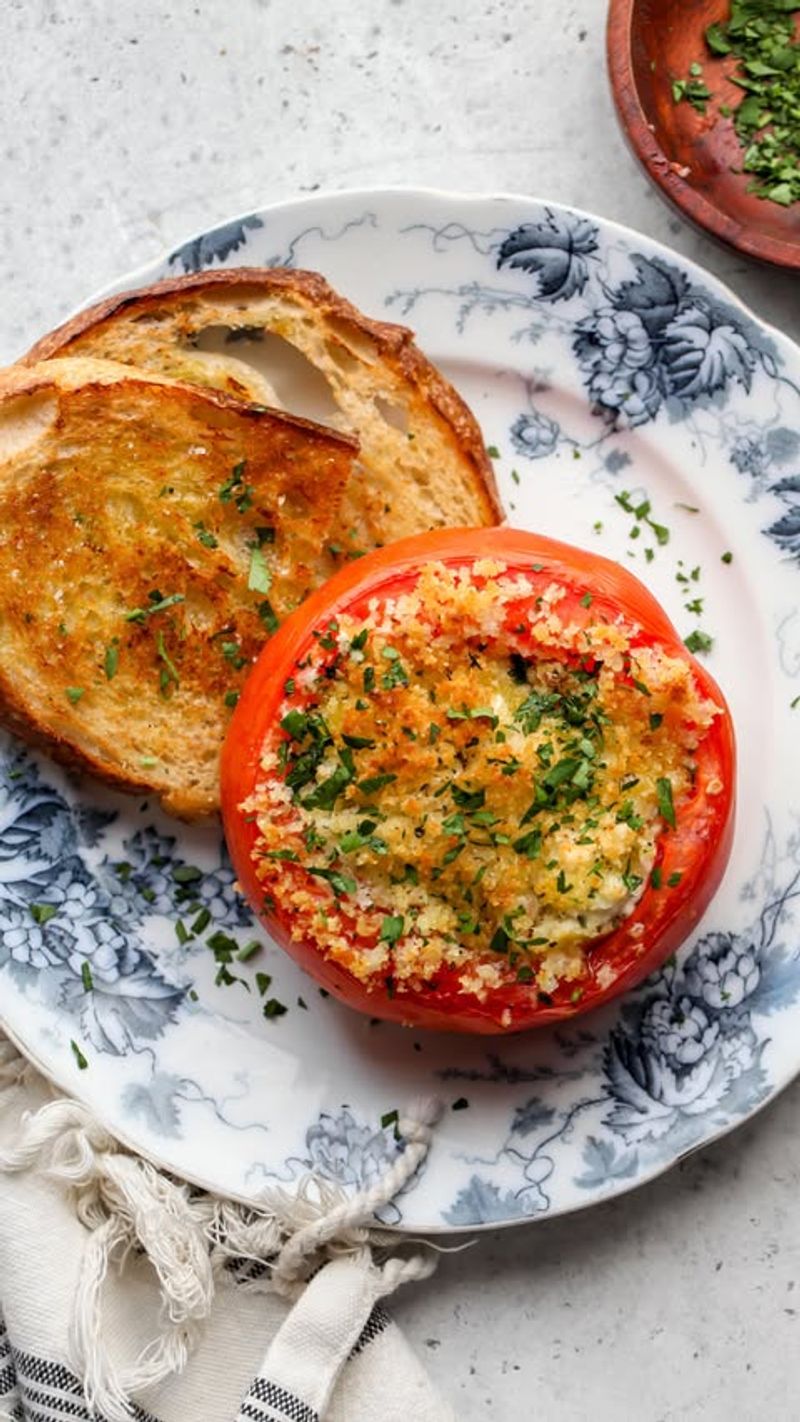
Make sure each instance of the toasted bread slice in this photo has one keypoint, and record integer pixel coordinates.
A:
(279, 336)
(150, 535)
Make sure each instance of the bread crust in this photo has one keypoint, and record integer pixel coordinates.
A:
(31, 705)
(395, 344)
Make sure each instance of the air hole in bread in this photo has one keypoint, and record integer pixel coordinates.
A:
(151, 318)
(24, 420)
(393, 414)
(351, 336)
(342, 357)
(298, 385)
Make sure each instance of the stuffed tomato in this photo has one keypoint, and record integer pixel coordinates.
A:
(476, 782)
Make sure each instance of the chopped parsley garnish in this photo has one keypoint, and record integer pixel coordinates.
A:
(232, 653)
(78, 1055)
(222, 946)
(204, 535)
(674, 879)
(468, 799)
(500, 940)
(259, 577)
(225, 978)
(86, 976)
(326, 792)
(74, 694)
(694, 90)
(187, 874)
(698, 641)
(656, 717)
(236, 490)
(529, 844)
(492, 451)
(396, 675)
(42, 913)
(626, 815)
(392, 928)
(168, 674)
(361, 838)
(157, 604)
(726, 558)
(374, 783)
(641, 512)
(111, 659)
(666, 807)
(268, 616)
(340, 883)
(248, 951)
(273, 1008)
(231, 698)
(760, 36)
(312, 738)
(296, 723)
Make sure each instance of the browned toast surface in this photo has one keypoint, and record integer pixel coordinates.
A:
(277, 335)
(151, 535)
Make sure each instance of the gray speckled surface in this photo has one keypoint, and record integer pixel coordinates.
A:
(126, 127)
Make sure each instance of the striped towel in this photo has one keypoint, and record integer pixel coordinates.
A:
(97, 1324)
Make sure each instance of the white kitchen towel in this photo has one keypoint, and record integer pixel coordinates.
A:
(126, 1294)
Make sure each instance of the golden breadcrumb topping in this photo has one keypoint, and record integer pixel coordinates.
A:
(472, 776)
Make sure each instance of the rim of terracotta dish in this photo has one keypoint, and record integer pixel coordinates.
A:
(647, 149)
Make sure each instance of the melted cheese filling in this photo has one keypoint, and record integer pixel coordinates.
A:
(470, 778)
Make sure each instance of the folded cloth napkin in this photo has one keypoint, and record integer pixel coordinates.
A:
(127, 1294)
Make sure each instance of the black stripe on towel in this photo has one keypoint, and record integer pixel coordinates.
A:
(8, 1380)
(52, 1393)
(376, 1324)
(265, 1401)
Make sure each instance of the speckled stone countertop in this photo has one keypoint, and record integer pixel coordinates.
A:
(124, 128)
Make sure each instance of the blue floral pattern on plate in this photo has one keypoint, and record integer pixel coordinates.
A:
(613, 376)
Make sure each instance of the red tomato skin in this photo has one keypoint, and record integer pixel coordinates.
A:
(698, 849)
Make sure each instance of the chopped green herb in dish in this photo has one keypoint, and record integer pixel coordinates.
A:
(761, 36)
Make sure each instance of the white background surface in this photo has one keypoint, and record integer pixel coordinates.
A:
(123, 128)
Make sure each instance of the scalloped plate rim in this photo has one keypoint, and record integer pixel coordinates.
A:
(136, 277)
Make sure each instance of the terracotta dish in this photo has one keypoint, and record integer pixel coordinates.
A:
(689, 156)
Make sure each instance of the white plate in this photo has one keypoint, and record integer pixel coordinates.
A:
(596, 362)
